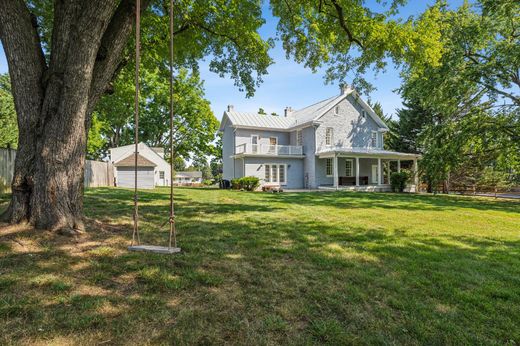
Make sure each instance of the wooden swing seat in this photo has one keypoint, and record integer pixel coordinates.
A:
(156, 249)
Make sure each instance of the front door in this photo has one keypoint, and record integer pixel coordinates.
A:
(254, 143)
(374, 174)
(273, 142)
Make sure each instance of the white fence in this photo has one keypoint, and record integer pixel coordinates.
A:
(97, 173)
(269, 149)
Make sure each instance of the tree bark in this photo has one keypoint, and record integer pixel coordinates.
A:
(54, 101)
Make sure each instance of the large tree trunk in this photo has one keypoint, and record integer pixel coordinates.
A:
(54, 101)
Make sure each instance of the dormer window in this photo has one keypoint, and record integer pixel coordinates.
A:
(336, 110)
(373, 139)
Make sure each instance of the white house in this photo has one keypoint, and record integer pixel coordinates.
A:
(335, 143)
(187, 178)
(152, 168)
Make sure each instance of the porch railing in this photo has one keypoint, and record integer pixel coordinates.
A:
(268, 149)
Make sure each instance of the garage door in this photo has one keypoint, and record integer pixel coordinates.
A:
(145, 177)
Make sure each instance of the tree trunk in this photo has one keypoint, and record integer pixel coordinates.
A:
(54, 101)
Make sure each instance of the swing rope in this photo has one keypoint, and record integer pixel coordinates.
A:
(135, 234)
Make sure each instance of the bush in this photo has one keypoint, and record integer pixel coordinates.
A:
(207, 182)
(235, 184)
(250, 183)
(398, 181)
(245, 183)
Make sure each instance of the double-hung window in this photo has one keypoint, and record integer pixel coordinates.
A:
(329, 165)
(329, 136)
(373, 139)
(161, 174)
(349, 168)
(276, 173)
(299, 137)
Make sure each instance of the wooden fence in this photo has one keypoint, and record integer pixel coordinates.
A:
(97, 173)
(7, 157)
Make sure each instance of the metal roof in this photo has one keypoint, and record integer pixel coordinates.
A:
(295, 118)
(364, 151)
(259, 120)
(314, 111)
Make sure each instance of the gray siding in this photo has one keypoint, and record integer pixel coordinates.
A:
(227, 151)
(254, 166)
(309, 162)
(351, 129)
(244, 136)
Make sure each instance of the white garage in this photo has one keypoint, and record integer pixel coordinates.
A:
(126, 172)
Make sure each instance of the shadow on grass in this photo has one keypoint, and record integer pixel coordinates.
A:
(395, 201)
(262, 280)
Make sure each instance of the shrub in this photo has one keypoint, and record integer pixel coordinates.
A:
(207, 182)
(249, 183)
(398, 181)
(245, 183)
(235, 184)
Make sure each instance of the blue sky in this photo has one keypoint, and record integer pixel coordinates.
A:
(291, 84)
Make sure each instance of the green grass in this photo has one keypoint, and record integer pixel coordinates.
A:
(291, 268)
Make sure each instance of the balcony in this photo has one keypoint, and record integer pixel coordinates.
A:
(269, 150)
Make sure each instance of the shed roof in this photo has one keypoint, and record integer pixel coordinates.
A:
(129, 161)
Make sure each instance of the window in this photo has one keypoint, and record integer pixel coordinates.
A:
(329, 167)
(348, 168)
(299, 137)
(281, 173)
(254, 143)
(161, 174)
(373, 139)
(336, 110)
(275, 173)
(329, 132)
(364, 113)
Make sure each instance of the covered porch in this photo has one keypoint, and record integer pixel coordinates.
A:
(363, 170)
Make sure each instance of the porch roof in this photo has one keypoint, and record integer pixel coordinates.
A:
(365, 152)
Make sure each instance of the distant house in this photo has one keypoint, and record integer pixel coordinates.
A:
(152, 168)
(335, 143)
(187, 178)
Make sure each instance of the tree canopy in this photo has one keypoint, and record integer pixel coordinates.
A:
(8, 126)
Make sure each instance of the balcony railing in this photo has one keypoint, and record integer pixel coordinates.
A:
(267, 149)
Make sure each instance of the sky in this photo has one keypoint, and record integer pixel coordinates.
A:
(291, 84)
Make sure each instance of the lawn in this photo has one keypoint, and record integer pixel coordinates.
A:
(291, 268)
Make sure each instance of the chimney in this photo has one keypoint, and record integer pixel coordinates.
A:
(344, 88)
(288, 111)
(230, 108)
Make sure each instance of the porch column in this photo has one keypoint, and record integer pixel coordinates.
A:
(379, 171)
(415, 175)
(357, 171)
(335, 170)
(398, 166)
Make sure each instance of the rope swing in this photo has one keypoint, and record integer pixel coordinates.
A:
(136, 241)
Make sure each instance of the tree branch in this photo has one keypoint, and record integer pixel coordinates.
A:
(26, 62)
(110, 52)
(343, 24)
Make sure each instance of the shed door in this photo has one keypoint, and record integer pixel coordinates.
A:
(145, 177)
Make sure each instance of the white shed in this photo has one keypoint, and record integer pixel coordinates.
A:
(126, 172)
(153, 170)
